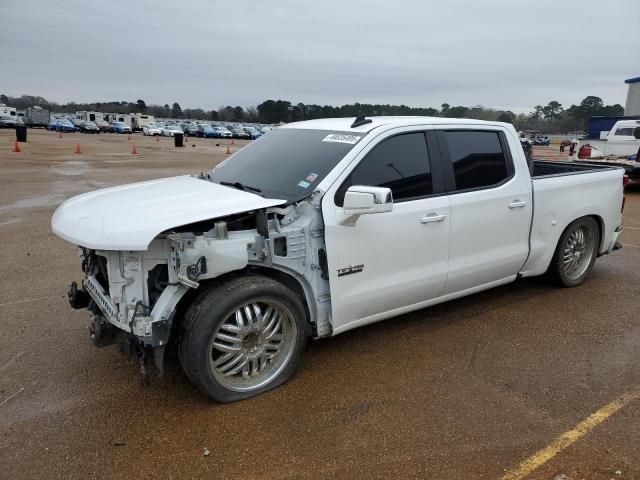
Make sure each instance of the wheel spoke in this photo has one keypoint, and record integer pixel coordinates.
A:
(223, 347)
(249, 315)
(237, 368)
(228, 338)
(234, 361)
(240, 321)
(275, 328)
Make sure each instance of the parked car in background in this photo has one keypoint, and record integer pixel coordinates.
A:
(89, 127)
(542, 140)
(253, 132)
(152, 129)
(121, 127)
(206, 131)
(104, 126)
(171, 130)
(239, 132)
(63, 125)
(222, 132)
(77, 122)
(8, 122)
(191, 129)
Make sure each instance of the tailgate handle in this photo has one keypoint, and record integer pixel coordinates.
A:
(432, 217)
(517, 204)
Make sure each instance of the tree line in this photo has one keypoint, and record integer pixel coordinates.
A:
(551, 118)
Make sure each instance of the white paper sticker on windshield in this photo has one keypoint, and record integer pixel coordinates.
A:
(341, 138)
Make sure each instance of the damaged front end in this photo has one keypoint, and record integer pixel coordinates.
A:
(131, 296)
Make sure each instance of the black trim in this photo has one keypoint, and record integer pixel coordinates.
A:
(447, 165)
(435, 162)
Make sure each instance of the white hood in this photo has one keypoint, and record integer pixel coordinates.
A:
(128, 217)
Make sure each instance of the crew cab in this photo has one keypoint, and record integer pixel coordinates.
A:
(323, 226)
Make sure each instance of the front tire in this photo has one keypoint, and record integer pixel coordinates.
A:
(243, 338)
(576, 252)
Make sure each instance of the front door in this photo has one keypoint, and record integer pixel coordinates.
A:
(388, 263)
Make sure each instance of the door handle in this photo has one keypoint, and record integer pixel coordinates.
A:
(517, 204)
(432, 217)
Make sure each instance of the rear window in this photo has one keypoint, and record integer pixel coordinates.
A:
(477, 158)
(625, 131)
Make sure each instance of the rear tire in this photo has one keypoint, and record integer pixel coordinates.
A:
(242, 338)
(576, 252)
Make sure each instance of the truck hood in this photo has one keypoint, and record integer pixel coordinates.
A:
(128, 217)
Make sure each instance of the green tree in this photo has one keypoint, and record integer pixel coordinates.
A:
(507, 117)
(176, 111)
(141, 106)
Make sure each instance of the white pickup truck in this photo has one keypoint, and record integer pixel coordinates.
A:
(323, 226)
(621, 141)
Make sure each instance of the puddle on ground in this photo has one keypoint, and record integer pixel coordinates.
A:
(9, 222)
(71, 168)
(60, 191)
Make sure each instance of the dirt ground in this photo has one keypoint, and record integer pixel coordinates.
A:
(464, 390)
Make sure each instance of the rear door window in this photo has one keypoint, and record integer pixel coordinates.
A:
(477, 158)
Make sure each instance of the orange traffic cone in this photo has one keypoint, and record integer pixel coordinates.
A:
(228, 150)
(16, 147)
(232, 143)
(133, 150)
(78, 148)
(60, 135)
(157, 138)
(129, 137)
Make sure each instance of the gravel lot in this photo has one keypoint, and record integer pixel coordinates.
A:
(464, 390)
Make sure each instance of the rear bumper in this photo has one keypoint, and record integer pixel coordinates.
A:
(614, 244)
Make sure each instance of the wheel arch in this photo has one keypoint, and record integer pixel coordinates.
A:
(289, 279)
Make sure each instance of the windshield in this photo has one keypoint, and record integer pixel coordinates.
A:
(286, 163)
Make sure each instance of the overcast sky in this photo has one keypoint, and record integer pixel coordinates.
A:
(510, 54)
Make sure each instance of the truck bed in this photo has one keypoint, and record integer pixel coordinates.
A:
(564, 191)
(542, 168)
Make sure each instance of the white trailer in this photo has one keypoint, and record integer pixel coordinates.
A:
(119, 117)
(141, 120)
(7, 111)
(90, 116)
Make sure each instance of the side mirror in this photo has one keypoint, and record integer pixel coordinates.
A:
(362, 200)
(636, 132)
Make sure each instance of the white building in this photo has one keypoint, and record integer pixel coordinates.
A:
(632, 107)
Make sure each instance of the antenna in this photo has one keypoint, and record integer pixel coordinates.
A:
(360, 120)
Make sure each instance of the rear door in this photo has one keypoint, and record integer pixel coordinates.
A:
(491, 206)
(388, 262)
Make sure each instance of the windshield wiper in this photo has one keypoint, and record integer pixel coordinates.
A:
(240, 186)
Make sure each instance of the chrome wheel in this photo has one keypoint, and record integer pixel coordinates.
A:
(252, 346)
(578, 251)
